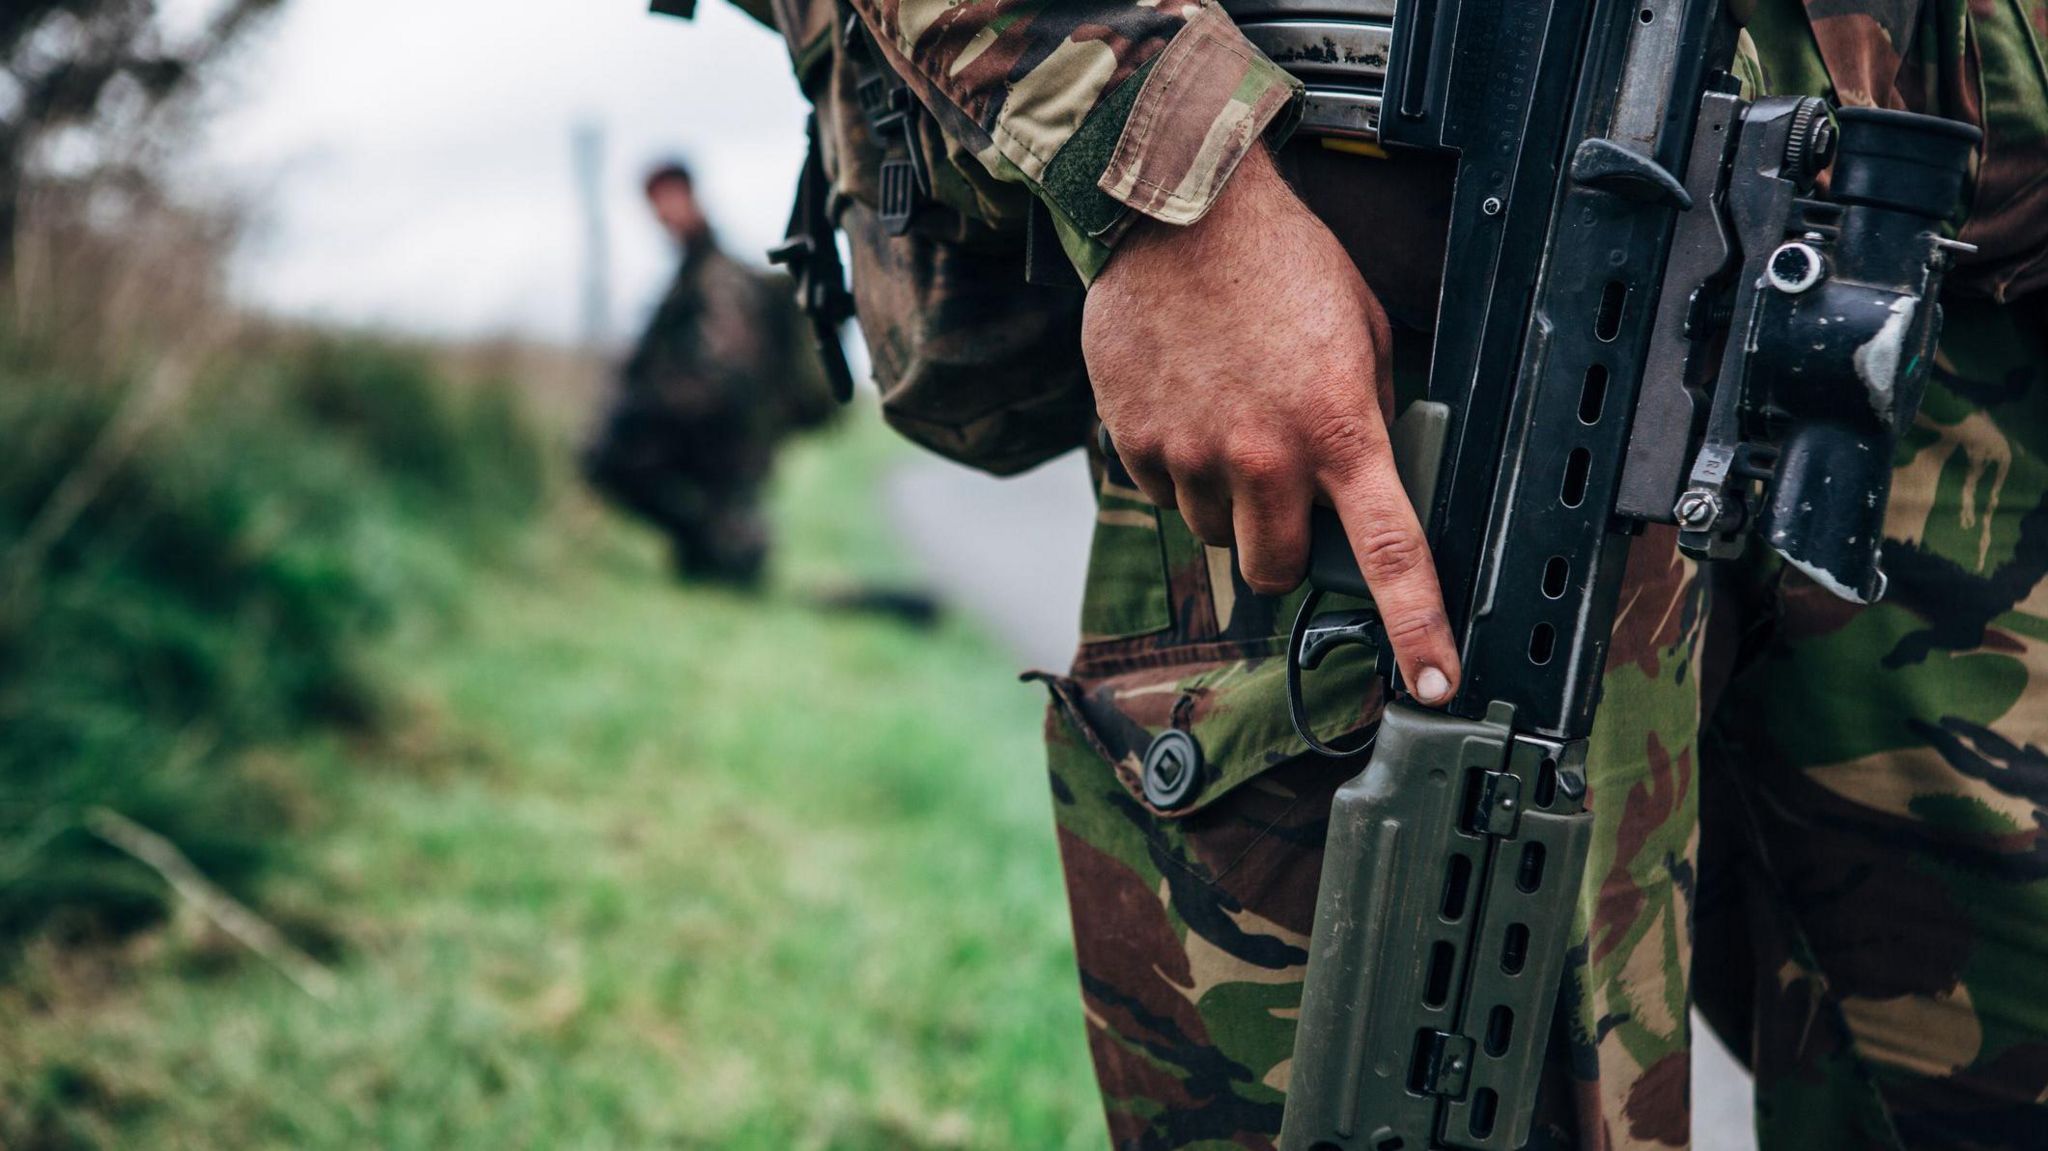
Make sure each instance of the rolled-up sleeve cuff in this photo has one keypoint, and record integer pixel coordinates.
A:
(1165, 142)
(1207, 100)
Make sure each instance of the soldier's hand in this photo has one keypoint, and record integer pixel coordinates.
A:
(1241, 365)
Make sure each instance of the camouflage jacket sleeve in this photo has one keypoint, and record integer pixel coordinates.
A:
(1103, 108)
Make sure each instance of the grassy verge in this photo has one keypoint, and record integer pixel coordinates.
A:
(195, 558)
(645, 867)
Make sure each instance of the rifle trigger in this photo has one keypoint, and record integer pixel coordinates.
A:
(1309, 642)
(1332, 630)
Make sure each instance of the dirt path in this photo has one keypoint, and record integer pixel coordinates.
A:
(1013, 552)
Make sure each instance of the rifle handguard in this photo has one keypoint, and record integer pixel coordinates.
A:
(1449, 882)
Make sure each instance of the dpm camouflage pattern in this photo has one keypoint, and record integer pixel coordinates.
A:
(1866, 886)
(1873, 901)
(1100, 108)
(1869, 920)
(971, 361)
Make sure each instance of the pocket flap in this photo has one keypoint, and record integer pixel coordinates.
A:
(1234, 709)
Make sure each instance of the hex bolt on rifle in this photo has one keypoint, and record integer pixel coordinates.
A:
(1649, 316)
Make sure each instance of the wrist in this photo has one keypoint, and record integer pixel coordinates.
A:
(1253, 198)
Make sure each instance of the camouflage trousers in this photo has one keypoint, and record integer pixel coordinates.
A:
(1822, 825)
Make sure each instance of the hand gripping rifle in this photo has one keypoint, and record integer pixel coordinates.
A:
(1648, 316)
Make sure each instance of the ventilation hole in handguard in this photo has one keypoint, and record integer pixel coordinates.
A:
(1500, 1031)
(1418, 1060)
(1530, 876)
(1578, 472)
(1436, 987)
(1613, 305)
(1485, 1105)
(1593, 395)
(1457, 886)
(1514, 949)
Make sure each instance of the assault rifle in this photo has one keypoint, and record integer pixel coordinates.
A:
(1648, 316)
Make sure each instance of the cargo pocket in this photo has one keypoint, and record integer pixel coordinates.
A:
(1196, 769)
(1191, 931)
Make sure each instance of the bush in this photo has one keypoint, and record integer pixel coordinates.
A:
(217, 591)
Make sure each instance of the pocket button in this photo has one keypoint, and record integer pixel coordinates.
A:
(1173, 769)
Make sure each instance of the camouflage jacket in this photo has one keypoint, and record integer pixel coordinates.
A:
(1101, 109)
(1173, 638)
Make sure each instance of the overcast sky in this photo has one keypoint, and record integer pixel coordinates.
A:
(409, 160)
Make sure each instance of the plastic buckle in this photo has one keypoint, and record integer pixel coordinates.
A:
(795, 254)
(872, 94)
(903, 109)
(899, 196)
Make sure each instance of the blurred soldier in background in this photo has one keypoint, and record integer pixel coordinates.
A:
(721, 376)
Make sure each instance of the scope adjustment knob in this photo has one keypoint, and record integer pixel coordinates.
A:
(1810, 148)
(1795, 267)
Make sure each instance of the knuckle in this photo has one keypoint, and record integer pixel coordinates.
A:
(1139, 449)
(1187, 459)
(1271, 587)
(1157, 494)
(1260, 464)
(1415, 627)
(1273, 565)
(1391, 555)
(1341, 439)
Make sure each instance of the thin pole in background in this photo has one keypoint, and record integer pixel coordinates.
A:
(587, 147)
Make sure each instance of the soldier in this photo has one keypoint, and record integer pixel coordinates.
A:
(717, 381)
(1841, 810)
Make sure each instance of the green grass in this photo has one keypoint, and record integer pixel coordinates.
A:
(172, 598)
(644, 867)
